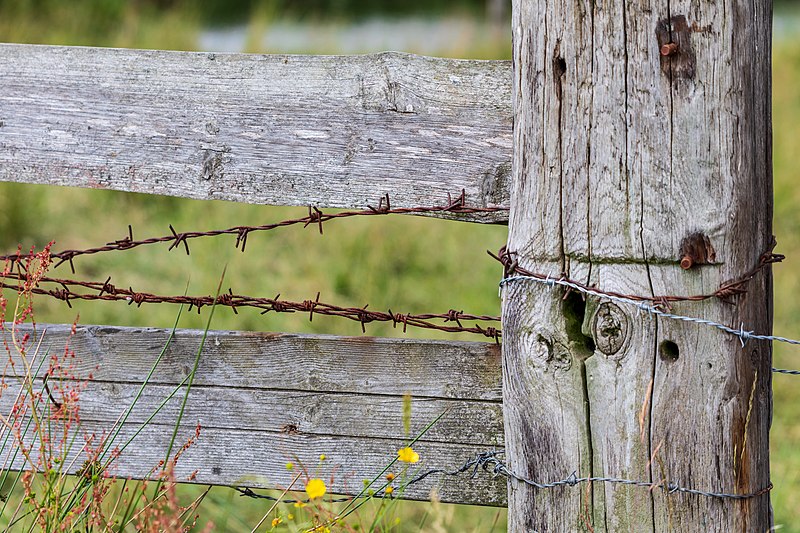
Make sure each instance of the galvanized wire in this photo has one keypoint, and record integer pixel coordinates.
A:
(786, 371)
(490, 462)
(743, 334)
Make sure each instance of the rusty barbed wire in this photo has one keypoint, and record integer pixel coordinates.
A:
(725, 292)
(315, 217)
(106, 291)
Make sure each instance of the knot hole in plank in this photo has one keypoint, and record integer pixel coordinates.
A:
(574, 309)
(495, 185)
(399, 99)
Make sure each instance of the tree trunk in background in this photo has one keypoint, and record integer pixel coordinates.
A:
(620, 154)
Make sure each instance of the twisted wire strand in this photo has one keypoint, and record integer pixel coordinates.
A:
(489, 461)
(743, 334)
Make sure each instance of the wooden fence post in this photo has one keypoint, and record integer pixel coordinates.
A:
(638, 125)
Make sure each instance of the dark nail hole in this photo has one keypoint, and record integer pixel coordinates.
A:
(668, 351)
(560, 65)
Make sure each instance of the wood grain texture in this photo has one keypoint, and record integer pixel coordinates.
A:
(263, 398)
(283, 130)
(620, 154)
(286, 361)
(257, 459)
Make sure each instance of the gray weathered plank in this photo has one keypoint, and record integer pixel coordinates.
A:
(309, 412)
(257, 459)
(620, 154)
(287, 361)
(283, 130)
(262, 398)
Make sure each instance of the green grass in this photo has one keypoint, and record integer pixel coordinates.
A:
(785, 433)
(409, 264)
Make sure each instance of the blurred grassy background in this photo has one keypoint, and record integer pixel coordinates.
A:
(408, 263)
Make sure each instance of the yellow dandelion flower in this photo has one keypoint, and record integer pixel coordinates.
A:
(299, 505)
(390, 477)
(290, 516)
(315, 488)
(407, 455)
(276, 521)
(322, 457)
(389, 490)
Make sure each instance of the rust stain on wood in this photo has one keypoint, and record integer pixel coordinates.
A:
(696, 249)
(675, 46)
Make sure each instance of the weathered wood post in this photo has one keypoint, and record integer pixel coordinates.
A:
(638, 124)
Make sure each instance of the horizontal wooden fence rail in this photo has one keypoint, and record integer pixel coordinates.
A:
(283, 130)
(337, 132)
(264, 399)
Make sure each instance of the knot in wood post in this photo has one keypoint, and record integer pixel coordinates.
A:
(610, 328)
(551, 353)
